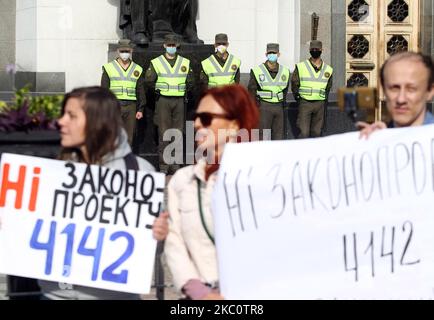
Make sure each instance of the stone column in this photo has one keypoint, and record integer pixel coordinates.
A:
(427, 26)
(7, 41)
(338, 26)
(323, 8)
(63, 44)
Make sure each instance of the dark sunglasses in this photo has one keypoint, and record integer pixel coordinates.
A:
(207, 117)
(124, 51)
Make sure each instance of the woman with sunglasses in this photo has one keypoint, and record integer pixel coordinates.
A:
(91, 132)
(190, 251)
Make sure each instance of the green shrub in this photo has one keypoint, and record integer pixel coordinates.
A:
(27, 113)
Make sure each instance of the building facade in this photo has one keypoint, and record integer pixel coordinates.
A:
(58, 45)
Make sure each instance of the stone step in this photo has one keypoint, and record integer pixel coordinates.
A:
(3, 287)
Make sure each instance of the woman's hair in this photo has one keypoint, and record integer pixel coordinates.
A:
(238, 105)
(103, 122)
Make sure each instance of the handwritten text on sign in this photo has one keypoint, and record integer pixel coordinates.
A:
(78, 224)
(335, 217)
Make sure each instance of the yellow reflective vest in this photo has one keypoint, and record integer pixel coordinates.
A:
(218, 75)
(313, 84)
(123, 82)
(271, 90)
(171, 81)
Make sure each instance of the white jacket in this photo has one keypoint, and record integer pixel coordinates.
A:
(189, 251)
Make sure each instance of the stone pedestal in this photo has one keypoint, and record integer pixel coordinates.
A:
(37, 143)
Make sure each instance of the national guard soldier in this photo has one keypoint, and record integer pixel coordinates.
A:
(221, 68)
(269, 83)
(311, 83)
(171, 77)
(124, 78)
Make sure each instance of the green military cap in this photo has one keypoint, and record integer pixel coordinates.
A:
(124, 44)
(315, 44)
(221, 38)
(171, 39)
(272, 47)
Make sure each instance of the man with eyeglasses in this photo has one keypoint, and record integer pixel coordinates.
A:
(311, 83)
(171, 77)
(269, 83)
(221, 68)
(125, 79)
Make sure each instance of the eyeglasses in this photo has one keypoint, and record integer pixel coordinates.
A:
(124, 51)
(207, 117)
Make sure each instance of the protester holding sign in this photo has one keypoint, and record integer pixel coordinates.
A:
(408, 82)
(91, 132)
(225, 114)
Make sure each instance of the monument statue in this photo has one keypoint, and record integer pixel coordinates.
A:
(175, 16)
(142, 20)
(134, 20)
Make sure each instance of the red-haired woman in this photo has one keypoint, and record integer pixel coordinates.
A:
(224, 115)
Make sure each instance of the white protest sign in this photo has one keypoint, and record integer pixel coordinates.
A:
(327, 218)
(78, 224)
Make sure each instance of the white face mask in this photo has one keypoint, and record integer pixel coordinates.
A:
(125, 56)
(222, 49)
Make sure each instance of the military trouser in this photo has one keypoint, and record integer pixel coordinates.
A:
(128, 114)
(169, 114)
(272, 117)
(310, 118)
